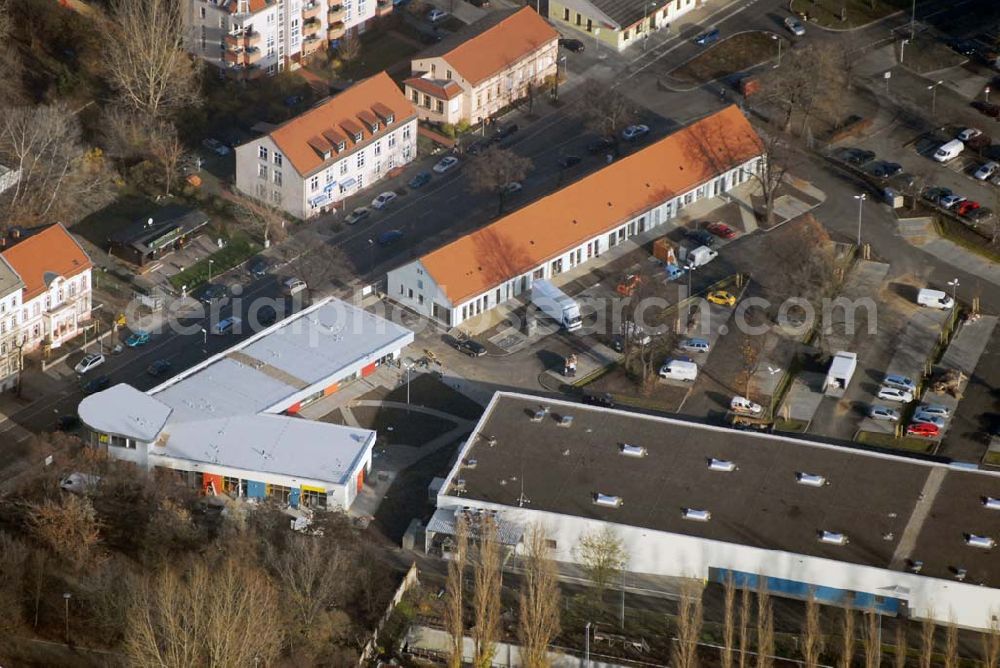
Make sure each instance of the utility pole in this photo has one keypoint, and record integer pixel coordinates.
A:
(861, 203)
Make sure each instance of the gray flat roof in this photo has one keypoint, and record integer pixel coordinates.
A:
(125, 411)
(870, 496)
(9, 280)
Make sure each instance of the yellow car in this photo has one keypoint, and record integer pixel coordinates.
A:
(722, 298)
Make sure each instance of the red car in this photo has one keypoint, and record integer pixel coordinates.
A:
(721, 230)
(966, 207)
(923, 429)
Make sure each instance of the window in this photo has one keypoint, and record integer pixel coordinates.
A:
(440, 107)
(201, 12)
(415, 96)
(36, 309)
(361, 159)
(420, 299)
(262, 152)
(276, 196)
(579, 19)
(392, 140)
(449, 75)
(279, 493)
(343, 167)
(433, 69)
(359, 136)
(565, 14)
(329, 176)
(314, 183)
(590, 25)
(278, 159)
(409, 293)
(406, 133)
(401, 289)
(262, 171)
(550, 544)
(626, 35)
(277, 178)
(313, 499)
(341, 146)
(378, 148)
(427, 101)
(389, 119)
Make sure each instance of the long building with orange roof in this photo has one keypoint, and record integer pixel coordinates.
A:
(483, 68)
(481, 270)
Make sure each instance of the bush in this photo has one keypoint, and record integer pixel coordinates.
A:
(448, 130)
(239, 249)
(462, 127)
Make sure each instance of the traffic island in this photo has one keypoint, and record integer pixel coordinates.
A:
(738, 53)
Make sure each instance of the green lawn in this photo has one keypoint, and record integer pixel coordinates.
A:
(827, 13)
(381, 51)
(237, 251)
(735, 54)
(909, 443)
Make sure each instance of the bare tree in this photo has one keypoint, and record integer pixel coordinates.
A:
(167, 149)
(812, 634)
(606, 111)
(488, 578)
(209, 614)
(495, 170)
(13, 569)
(729, 622)
(602, 555)
(10, 60)
(765, 626)
(991, 643)
(348, 48)
(951, 659)
(455, 594)
(872, 639)
(744, 635)
(146, 60)
(265, 221)
(809, 81)
(927, 629)
(751, 347)
(901, 649)
(847, 639)
(689, 621)
(67, 526)
(538, 622)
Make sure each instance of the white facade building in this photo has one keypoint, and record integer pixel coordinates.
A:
(852, 528)
(253, 37)
(476, 273)
(340, 147)
(229, 425)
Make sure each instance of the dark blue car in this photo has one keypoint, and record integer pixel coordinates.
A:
(390, 237)
(420, 180)
(707, 37)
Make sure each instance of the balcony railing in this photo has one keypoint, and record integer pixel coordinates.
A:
(336, 13)
(310, 45)
(336, 30)
(311, 10)
(242, 39)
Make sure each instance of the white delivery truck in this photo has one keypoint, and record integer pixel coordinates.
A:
(556, 304)
(934, 299)
(701, 255)
(839, 376)
(949, 150)
(679, 370)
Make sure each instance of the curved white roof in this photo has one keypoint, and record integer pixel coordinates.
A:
(125, 411)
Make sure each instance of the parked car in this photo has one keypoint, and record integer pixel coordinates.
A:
(158, 368)
(89, 362)
(212, 293)
(722, 298)
(968, 134)
(899, 381)
(383, 200)
(604, 399)
(673, 272)
(923, 429)
(894, 394)
(979, 215)
(390, 237)
(883, 413)
(966, 47)
(67, 422)
(601, 145)
(445, 164)
(744, 405)
(420, 180)
(471, 348)
(795, 26)
(573, 45)
(506, 131)
(986, 170)
(266, 316)
(226, 326)
(358, 215)
(935, 409)
(570, 161)
(857, 156)
(293, 286)
(987, 108)
(935, 420)
(936, 193)
(216, 146)
(635, 132)
(137, 339)
(257, 267)
(904, 181)
(96, 384)
(949, 201)
(695, 345)
(721, 230)
(437, 15)
(700, 237)
(512, 188)
(885, 169)
(966, 207)
(707, 38)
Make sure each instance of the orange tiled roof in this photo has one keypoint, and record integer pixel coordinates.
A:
(442, 90)
(603, 200)
(253, 6)
(39, 256)
(340, 116)
(495, 49)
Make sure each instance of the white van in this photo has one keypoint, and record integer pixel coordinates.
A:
(294, 286)
(949, 151)
(934, 299)
(679, 370)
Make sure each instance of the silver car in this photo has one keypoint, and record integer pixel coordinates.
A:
(894, 394)
(986, 170)
(935, 409)
(935, 420)
(883, 413)
(695, 345)
(795, 26)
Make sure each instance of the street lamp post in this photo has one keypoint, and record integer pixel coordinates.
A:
(210, 262)
(861, 203)
(778, 40)
(954, 289)
(66, 597)
(902, 48)
(371, 255)
(586, 645)
(933, 89)
(204, 336)
(597, 48)
(408, 367)
(913, 17)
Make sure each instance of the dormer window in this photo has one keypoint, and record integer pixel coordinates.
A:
(375, 127)
(326, 155)
(358, 136)
(341, 146)
(389, 119)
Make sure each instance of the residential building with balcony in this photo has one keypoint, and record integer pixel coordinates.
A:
(54, 303)
(480, 70)
(8, 178)
(617, 24)
(11, 287)
(470, 276)
(250, 38)
(339, 147)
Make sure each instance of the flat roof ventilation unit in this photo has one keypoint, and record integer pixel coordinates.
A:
(985, 542)
(992, 503)
(833, 538)
(810, 480)
(538, 416)
(696, 514)
(607, 500)
(633, 450)
(723, 465)
(460, 485)
(470, 463)
(566, 421)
